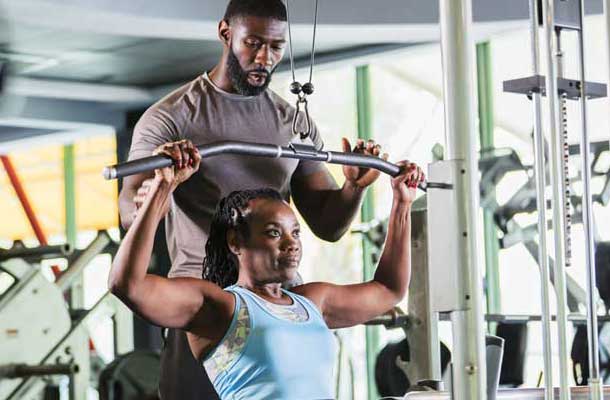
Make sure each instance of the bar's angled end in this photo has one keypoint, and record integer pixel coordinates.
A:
(109, 173)
(66, 249)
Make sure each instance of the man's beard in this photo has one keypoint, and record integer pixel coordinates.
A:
(239, 77)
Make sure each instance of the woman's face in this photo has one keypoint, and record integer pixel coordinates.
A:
(272, 252)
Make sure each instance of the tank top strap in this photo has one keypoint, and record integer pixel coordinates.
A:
(245, 299)
(249, 298)
(309, 305)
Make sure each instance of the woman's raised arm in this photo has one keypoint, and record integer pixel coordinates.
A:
(172, 303)
(348, 305)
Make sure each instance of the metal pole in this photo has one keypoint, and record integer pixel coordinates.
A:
(16, 371)
(70, 195)
(367, 214)
(27, 206)
(486, 135)
(558, 198)
(607, 21)
(23, 199)
(469, 369)
(36, 253)
(77, 265)
(588, 223)
(77, 296)
(563, 142)
(540, 175)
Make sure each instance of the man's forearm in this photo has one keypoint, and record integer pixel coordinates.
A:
(339, 209)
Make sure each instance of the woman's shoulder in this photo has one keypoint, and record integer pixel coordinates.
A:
(313, 292)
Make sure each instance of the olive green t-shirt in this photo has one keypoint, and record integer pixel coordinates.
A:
(204, 113)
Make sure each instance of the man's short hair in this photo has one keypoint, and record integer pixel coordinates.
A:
(255, 8)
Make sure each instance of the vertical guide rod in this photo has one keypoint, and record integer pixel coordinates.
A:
(607, 21)
(457, 48)
(563, 142)
(540, 175)
(558, 200)
(595, 388)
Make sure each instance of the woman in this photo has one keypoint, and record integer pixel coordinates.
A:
(256, 340)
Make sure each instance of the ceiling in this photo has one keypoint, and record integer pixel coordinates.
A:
(155, 42)
(121, 54)
(11, 133)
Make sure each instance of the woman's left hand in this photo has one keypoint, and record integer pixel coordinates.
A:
(405, 184)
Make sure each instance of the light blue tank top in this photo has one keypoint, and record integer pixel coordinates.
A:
(280, 359)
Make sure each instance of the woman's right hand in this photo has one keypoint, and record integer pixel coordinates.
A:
(186, 162)
(405, 184)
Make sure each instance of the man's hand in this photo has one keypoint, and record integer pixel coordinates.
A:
(361, 177)
(404, 186)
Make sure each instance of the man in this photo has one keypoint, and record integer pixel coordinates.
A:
(232, 102)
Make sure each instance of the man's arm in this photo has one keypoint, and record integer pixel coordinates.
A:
(348, 305)
(327, 208)
(157, 126)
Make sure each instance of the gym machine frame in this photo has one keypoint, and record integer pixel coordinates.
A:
(449, 262)
(558, 16)
(67, 356)
(459, 292)
(458, 173)
(468, 364)
(464, 303)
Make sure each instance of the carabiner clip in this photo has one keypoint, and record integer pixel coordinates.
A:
(303, 135)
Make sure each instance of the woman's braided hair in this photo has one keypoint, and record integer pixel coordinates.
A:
(220, 265)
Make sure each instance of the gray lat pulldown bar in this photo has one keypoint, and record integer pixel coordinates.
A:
(295, 151)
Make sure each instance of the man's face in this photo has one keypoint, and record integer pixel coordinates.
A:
(256, 48)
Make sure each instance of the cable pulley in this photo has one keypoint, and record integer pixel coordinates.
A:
(296, 88)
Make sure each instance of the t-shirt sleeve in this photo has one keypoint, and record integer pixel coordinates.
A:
(310, 167)
(156, 127)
